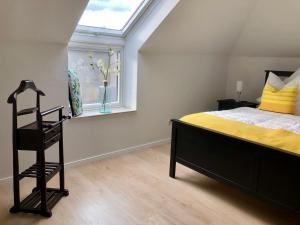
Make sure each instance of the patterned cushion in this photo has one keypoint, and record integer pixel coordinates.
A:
(75, 93)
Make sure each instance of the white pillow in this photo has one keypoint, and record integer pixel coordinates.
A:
(293, 76)
(275, 81)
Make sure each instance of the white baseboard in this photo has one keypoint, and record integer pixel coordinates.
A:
(106, 155)
(6, 179)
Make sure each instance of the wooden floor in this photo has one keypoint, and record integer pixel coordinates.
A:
(135, 189)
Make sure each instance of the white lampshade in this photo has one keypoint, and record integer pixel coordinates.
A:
(239, 86)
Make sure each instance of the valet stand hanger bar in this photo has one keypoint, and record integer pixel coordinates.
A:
(37, 136)
(24, 85)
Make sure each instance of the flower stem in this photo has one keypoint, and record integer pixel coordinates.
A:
(104, 97)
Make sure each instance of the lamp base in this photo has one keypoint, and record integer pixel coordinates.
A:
(238, 99)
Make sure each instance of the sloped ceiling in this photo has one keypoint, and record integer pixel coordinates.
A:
(39, 20)
(231, 27)
(272, 29)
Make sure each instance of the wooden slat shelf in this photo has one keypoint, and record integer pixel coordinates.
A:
(32, 203)
(34, 171)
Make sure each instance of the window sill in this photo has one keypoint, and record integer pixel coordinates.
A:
(96, 113)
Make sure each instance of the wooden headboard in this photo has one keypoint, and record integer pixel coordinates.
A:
(278, 73)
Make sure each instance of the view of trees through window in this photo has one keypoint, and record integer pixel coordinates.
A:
(91, 80)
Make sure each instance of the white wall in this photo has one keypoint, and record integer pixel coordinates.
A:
(169, 86)
(46, 64)
(135, 39)
(251, 70)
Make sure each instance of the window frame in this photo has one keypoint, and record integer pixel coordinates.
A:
(87, 38)
(93, 47)
(117, 33)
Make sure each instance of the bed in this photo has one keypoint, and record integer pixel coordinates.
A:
(269, 171)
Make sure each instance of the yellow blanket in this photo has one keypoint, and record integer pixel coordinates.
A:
(279, 139)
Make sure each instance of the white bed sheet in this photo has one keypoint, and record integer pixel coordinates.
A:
(261, 118)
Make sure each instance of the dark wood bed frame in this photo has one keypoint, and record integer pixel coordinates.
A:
(266, 172)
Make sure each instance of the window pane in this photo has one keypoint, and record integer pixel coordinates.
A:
(110, 14)
(90, 80)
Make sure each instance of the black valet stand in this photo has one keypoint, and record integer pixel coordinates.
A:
(37, 136)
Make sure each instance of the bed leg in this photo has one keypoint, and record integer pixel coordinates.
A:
(173, 152)
(172, 168)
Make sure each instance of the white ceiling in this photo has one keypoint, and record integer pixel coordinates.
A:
(234, 27)
(39, 20)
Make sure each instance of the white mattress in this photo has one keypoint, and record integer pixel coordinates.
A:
(261, 118)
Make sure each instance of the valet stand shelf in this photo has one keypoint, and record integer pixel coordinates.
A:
(37, 136)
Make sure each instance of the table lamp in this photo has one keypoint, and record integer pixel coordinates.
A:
(239, 89)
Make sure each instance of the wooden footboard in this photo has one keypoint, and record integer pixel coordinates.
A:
(262, 171)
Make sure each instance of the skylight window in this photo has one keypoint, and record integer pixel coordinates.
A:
(110, 14)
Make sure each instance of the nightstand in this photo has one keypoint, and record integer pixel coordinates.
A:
(224, 104)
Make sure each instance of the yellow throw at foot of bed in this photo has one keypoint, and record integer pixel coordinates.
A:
(279, 139)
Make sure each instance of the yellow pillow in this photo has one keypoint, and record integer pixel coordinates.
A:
(279, 100)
